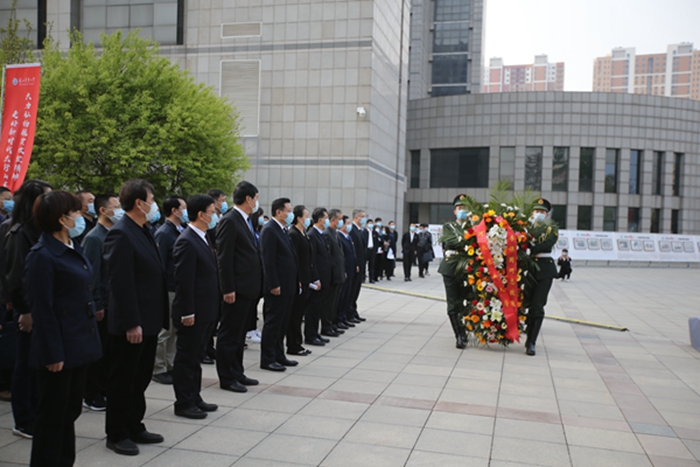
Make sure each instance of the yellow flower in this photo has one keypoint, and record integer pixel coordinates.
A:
(480, 285)
(470, 279)
(470, 251)
(491, 212)
(475, 218)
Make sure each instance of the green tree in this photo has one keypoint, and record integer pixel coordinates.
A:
(13, 47)
(127, 112)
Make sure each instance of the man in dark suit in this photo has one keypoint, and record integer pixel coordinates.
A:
(138, 310)
(165, 238)
(281, 285)
(321, 259)
(372, 243)
(409, 246)
(328, 326)
(195, 307)
(351, 270)
(240, 280)
(360, 240)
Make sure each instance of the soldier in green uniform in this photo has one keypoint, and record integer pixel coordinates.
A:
(454, 286)
(545, 234)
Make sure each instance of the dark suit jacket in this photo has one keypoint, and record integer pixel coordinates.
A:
(58, 281)
(279, 260)
(165, 238)
(408, 245)
(304, 250)
(240, 265)
(93, 244)
(138, 293)
(18, 242)
(359, 239)
(375, 239)
(196, 279)
(321, 257)
(337, 256)
(349, 255)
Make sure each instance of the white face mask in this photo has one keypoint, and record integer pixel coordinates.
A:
(539, 217)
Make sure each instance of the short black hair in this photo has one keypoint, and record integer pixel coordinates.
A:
(345, 219)
(3, 189)
(278, 205)
(82, 192)
(333, 213)
(424, 225)
(564, 250)
(102, 201)
(132, 190)
(172, 202)
(215, 193)
(197, 204)
(392, 222)
(243, 190)
(51, 206)
(267, 218)
(378, 219)
(254, 218)
(318, 213)
(298, 212)
(24, 201)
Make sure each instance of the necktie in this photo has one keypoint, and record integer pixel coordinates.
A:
(252, 231)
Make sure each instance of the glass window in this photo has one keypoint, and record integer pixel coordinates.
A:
(451, 10)
(559, 215)
(441, 213)
(611, 157)
(584, 220)
(506, 169)
(677, 172)
(675, 221)
(415, 169)
(463, 167)
(560, 169)
(657, 173)
(633, 219)
(586, 166)
(413, 213)
(635, 173)
(609, 218)
(655, 221)
(451, 37)
(533, 168)
(450, 69)
(447, 90)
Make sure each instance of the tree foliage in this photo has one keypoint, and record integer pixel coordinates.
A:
(127, 112)
(13, 47)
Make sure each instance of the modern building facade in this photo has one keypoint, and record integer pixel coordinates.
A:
(675, 73)
(539, 76)
(606, 161)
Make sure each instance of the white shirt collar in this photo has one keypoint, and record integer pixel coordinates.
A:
(200, 233)
(283, 227)
(344, 234)
(243, 213)
(319, 230)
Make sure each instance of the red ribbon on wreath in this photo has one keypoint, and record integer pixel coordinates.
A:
(508, 292)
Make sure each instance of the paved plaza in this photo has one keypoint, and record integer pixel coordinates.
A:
(394, 391)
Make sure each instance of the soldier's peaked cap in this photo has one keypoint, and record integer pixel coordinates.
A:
(458, 199)
(543, 204)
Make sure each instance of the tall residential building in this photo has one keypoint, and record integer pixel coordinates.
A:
(539, 76)
(675, 73)
(447, 38)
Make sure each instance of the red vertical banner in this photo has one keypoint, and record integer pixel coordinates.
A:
(18, 122)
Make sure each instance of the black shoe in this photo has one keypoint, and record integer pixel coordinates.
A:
(234, 387)
(207, 360)
(245, 381)
(352, 320)
(330, 333)
(461, 342)
(287, 362)
(348, 323)
(341, 325)
(300, 353)
(337, 330)
(97, 404)
(360, 318)
(315, 341)
(421, 276)
(530, 349)
(125, 447)
(323, 339)
(194, 413)
(145, 437)
(406, 279)
(274, 366)
(206, 407)
(163, 378)
(388, 278)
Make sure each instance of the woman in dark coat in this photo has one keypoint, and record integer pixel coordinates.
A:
(58, 281)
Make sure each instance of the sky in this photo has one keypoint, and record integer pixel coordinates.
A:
(577, 31)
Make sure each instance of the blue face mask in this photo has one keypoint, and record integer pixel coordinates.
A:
(349, 228)
(363, 222)
(224, 207)
(156, 218)
(212, 223)
(184, 218)
(341, 223)
(392, 227)
(91, 210)
(378, 224)
(8, 206)
(289, 219)
(261, 221)
(78, 226)
(462, 215)
(118, 214)
(412, 228)
(328, 223)
(307, 222)
(153, 213)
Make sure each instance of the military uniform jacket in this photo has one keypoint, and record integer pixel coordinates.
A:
(448, 265)
(546, 236)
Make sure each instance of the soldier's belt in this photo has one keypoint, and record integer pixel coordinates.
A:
(543, 255)
(449, 253)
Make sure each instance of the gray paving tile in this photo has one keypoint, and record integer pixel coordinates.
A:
(432, 459)
(383, 434)
(534, 452)
(347, 454)
(450, 442)
(603, 439)
(593, 457)
(293, 449)
(651, 429)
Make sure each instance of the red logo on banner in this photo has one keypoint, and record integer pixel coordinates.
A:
(18, 122)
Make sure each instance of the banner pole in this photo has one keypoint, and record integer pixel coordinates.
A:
(2, 97)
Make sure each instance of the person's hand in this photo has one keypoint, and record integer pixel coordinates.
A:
(318, 284)
(134, 335)
(276, 291)
(100, 315)
(55, 367)
(25, 322)
(230, 298)
(188, 321)
(357, 268)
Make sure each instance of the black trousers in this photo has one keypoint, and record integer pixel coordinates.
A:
(330, 306)
(379, 265)
(454, 295)
(23, 384)
(389, 265)
(343, 308)
(231, 340)
(60, 402)
(355, 294)
(187, 367)
(130, 371)
(295, 339)
(276, 311)
(312, 314)
(96, 384)
(371, 261)
(408, 258)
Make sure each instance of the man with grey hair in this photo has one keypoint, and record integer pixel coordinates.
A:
(359, 219)
(328, 325)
